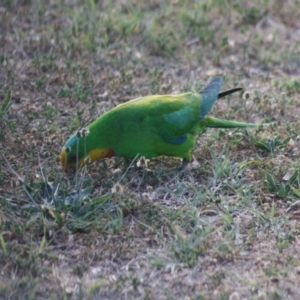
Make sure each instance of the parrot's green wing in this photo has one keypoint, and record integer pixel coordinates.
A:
(173, 119)
(179, 115)
(168, 117)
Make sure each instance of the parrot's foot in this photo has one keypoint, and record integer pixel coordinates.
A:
(183, 165)
(181, 171)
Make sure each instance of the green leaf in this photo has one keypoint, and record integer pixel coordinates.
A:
(7, 103)
(3, 244)
(295, 191)
(293, 177)
(284, 143)
(272, 183)
(282, 191)
(261, 145)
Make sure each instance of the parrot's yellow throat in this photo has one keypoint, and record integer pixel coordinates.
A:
(93, 155)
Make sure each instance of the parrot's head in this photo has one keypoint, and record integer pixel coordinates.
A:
(80, 149)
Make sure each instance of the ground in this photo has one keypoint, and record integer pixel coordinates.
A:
(226, 229)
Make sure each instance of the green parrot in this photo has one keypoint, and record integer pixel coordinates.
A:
(148, 126)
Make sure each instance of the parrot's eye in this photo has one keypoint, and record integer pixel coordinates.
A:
(73, 157)
(68, 149)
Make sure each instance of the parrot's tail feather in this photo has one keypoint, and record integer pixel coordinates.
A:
(223, 94)
(209, 95)
(219, 123)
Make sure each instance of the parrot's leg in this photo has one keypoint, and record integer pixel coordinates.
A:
(183, 165)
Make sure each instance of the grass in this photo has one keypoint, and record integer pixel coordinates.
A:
(227, 230)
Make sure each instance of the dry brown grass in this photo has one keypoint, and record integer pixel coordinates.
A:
(228, 230)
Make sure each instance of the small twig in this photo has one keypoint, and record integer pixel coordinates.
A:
(12, 170)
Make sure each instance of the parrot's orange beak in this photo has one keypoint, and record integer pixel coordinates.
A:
(63, 156)
(63, 160)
